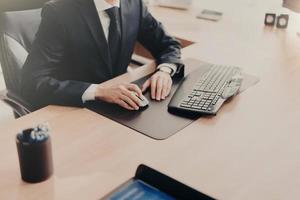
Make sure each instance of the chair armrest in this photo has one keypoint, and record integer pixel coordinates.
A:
(17, 103)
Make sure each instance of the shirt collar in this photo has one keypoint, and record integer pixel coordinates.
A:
(102, 5)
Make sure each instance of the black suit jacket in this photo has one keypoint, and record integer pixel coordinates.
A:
(70, 51)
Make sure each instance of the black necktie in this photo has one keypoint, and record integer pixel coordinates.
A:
(114, 36)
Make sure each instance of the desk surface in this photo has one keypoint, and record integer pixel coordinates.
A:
(250, 150)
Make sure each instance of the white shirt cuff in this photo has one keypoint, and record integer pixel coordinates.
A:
(172, 66)
(90, 93)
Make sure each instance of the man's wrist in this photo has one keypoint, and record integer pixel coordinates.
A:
(167, 68)
(99, 93)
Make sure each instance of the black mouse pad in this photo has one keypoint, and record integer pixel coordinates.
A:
(154, 121)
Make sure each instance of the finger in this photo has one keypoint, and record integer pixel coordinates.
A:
(159, 88)
(130, 102)
(153, 87)
(124, 105)
(132, 96)
(135, 88)
(146, 85)
(164, 89)
(169, 87)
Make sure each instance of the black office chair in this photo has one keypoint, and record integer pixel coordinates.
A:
(17, 32)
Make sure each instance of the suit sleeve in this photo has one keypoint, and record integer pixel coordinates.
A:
(40, 79)
(152, 35)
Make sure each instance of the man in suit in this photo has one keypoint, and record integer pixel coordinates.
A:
(81, 43)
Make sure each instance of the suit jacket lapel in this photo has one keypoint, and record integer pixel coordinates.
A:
(89, 13)
(124, 13)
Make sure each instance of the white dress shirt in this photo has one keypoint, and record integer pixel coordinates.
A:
(101, 6)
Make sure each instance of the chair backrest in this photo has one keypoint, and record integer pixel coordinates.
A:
(17, 33)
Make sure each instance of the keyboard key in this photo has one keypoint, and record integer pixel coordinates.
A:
(184, 106)
(196, 107)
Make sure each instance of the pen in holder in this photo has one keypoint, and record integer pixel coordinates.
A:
(35, 154)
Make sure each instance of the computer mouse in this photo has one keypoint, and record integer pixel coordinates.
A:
(144, 101)
(233, 86)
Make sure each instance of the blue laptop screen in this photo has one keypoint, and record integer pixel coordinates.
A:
(138, 190)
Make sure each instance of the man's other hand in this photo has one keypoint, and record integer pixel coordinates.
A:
(160, 84)
(122, 94)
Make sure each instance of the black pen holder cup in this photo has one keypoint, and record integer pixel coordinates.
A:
(36, 163)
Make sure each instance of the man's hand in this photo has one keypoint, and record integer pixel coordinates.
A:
(160, 84)
(120, 94)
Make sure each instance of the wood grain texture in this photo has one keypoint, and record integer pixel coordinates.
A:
(250, 150)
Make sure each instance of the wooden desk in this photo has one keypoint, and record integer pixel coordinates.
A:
(250, 150)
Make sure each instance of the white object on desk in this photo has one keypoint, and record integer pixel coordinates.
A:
(181, 4)
(210, 15)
